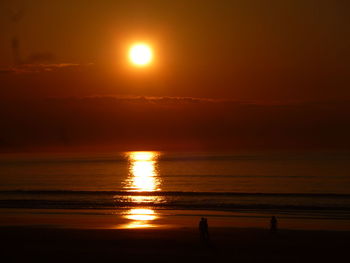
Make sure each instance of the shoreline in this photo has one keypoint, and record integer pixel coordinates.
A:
(166, 219)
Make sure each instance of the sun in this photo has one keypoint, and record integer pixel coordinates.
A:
(140, 54)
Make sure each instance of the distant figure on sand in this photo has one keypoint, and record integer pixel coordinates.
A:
(203, 229)
(273, 224)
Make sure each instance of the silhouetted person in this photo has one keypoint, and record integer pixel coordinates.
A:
(203, 229)
(273, 224)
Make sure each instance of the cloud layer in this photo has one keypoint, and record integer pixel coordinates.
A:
(170, 123)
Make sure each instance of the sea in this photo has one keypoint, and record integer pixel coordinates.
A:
(142, 189)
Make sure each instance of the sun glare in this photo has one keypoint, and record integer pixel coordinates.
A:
(141, 215)
(143, 177)
(140, 54)
(143, 171)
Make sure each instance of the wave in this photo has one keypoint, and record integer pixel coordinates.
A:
(176, 200)
(175, 205)
(167, 193)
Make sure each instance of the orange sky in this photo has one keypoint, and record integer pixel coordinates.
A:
(237, 49)
(243, 51)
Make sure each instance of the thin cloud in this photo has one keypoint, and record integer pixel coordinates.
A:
(195, 100)
(38, 68)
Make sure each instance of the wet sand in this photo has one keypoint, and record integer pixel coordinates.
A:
(39, 244)
(164, 219)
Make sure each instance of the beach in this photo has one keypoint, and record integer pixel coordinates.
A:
(41, 244)
(145, 207)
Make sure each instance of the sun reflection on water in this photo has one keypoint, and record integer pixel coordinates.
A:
(143, 176)
(143, 172)
(141, 214)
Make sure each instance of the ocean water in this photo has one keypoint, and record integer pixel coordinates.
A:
(140, 185)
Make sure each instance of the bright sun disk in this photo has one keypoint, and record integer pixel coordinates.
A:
(140, 54)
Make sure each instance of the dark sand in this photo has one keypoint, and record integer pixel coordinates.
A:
(29, 244)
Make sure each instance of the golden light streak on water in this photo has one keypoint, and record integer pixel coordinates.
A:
(143, 177)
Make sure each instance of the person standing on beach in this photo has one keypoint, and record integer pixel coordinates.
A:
(273, 224)
(203, 229)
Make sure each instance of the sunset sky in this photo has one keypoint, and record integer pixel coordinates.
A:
(225, 74)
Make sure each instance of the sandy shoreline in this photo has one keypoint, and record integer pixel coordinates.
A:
(165, 219)
(33, 244)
